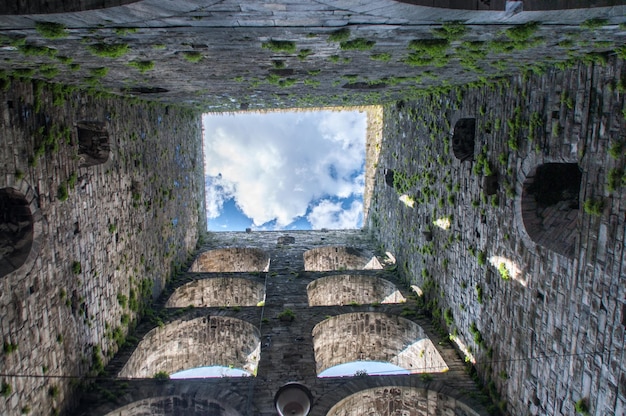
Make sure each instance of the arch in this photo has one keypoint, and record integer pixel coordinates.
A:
(339, 258)
(177, 405)
(348, 288)
(234, 259)
(65, 6)
(221, 291)
(93, 143)
(367, 336)
(499, 5)
(199, 342)
(463, 139)
(16, 230)
(400, 400)
(550, 206)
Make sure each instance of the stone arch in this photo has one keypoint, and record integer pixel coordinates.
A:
(234, 259)
(65, 6)
(220, 291)
(499, 5)
(93, 143)
(347, 288)
(396, 400)
(19, 229)
(550, 206)
(495, 5)
(200, 342)
(176, 405)
(367, 336)
(339, 258)
(463, 139)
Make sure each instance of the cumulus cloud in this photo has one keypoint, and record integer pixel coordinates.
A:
(276, 164)
(332, 215)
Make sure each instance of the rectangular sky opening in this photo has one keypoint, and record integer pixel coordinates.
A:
(285, 169)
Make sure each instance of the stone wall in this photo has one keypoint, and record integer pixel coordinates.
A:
(400, 400)
(218, 291)
(352, 288)
(227, 55)
(234, 259)
(374, 337)
(104, 236)
(287, 340)
(339, 258)
(545, 330)
(199, 342)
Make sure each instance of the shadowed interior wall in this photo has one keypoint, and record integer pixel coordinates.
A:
(16, 230)
(57, 6)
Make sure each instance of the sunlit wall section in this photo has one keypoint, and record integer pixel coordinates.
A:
(234, 259)
(339, 258)
(199, 342)
(345, 289)
(400, 400)
(219, 291)
(375, 337)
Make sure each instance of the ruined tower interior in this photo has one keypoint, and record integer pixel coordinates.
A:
(490, 269)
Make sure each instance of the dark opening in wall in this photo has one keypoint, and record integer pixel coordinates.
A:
(550, 206)
(16, 230)
(46, 6)
(463, 139)
(145, 90)
(93, 143)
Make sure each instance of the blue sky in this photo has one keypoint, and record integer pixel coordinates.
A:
(284, 170)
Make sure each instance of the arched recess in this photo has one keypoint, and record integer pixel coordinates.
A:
(352, 288)
(375, 337)
(528, 5)
(175, 406)
(496, 5)
(221, 291)
(400, 400)
(234, 259)
(65, 6)
(17, 229)
(550, 206)
(93, 143)
(339, 258)
(463, 139)
(200, 342)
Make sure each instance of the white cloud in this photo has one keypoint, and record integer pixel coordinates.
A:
(331, 215)
(217, 192)
(276, 164)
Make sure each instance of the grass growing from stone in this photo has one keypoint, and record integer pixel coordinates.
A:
(581, 407)
(383, 57)
(62, 193)
(428, 52)
(36, 50)
(51, 30)
(594, 23)
(286, 46)
(142, 66)
(192, 56)
(593, 207)
(358, 44)
(108, 50)
(76, 267)
(340, 35)
(453, 30)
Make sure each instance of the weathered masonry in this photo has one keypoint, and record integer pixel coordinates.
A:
(498, 193)
(282, 339)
